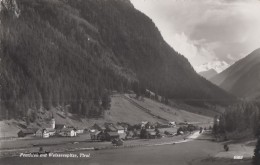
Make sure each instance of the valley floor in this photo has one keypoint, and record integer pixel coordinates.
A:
(198, 151)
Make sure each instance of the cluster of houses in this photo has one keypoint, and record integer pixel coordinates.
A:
(100, 132)
(110, 131)
(53, 130)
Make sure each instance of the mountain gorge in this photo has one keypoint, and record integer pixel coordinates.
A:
(74, 53)
(242, 78)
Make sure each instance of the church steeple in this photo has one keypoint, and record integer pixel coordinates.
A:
(52, 122)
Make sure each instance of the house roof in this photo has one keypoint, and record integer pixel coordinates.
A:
(112, 133)
(144, 122)
(59, 126)
(119, 127)
(80, 128)
(111, 128)
(27, 131)
(47, 129)
(95, 133)
(99, 127)
(50, 129)
(125, 125)
(152, 133)
(67, 129)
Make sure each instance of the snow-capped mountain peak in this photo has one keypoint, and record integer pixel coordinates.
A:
(218, 66)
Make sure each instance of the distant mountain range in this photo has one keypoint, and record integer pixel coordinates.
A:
(208, 74)
(218, 66)
(242, 78)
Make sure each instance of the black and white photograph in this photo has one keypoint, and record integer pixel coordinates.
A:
(130, 82)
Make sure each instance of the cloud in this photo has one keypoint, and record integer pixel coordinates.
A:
(207, 30)
(192, 49)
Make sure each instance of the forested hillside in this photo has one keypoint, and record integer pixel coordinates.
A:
(239, 121)
(73, 53)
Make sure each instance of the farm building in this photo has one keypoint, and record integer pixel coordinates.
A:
(59, 127)
(151, 134)
(146, 124)
(45, 133)
(26, 132)
(110, 127)
(98, 135)
(79, 130)
(50, 131)
(39, 133)
(68, 132)
(172, 124)
(125, 126)
(120, 129)
(112, 135)
(97, 127)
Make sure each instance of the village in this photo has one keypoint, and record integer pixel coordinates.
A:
(115, 131)
(111, 131)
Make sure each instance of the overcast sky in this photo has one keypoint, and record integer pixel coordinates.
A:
(206, 30)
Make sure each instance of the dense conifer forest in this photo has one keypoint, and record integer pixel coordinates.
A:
(75, 53)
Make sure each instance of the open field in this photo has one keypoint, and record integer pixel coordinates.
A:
(124, 110)
(9, 148)
(196, 152)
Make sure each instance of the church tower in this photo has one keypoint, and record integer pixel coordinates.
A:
(52, 122)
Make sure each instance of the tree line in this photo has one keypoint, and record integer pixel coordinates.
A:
(239, 121)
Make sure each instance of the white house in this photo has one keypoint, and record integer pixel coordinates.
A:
(120, 129)
(79, 130)
(50, 131)
(68, 132)
(45, 133)
(172, 123)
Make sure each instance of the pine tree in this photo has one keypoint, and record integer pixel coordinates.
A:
(256, 158)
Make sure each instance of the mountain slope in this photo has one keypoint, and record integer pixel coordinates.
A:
(242, 78)
(121, 110)
(208, 74)
(72, 53)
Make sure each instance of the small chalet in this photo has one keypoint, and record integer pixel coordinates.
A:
(79, 130)
(172, 123)
(68, 132)
(59, 127)
(125, 126)
(98, 135)
(50, 131)
(150, 94)
(146, 124)
(39, 133)
(45, 133)
(151, 134)
(136, 133)
(112, 135)
(129, 135)
(97, 127)
(110, 127)
(120, 129)
(26, 132)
